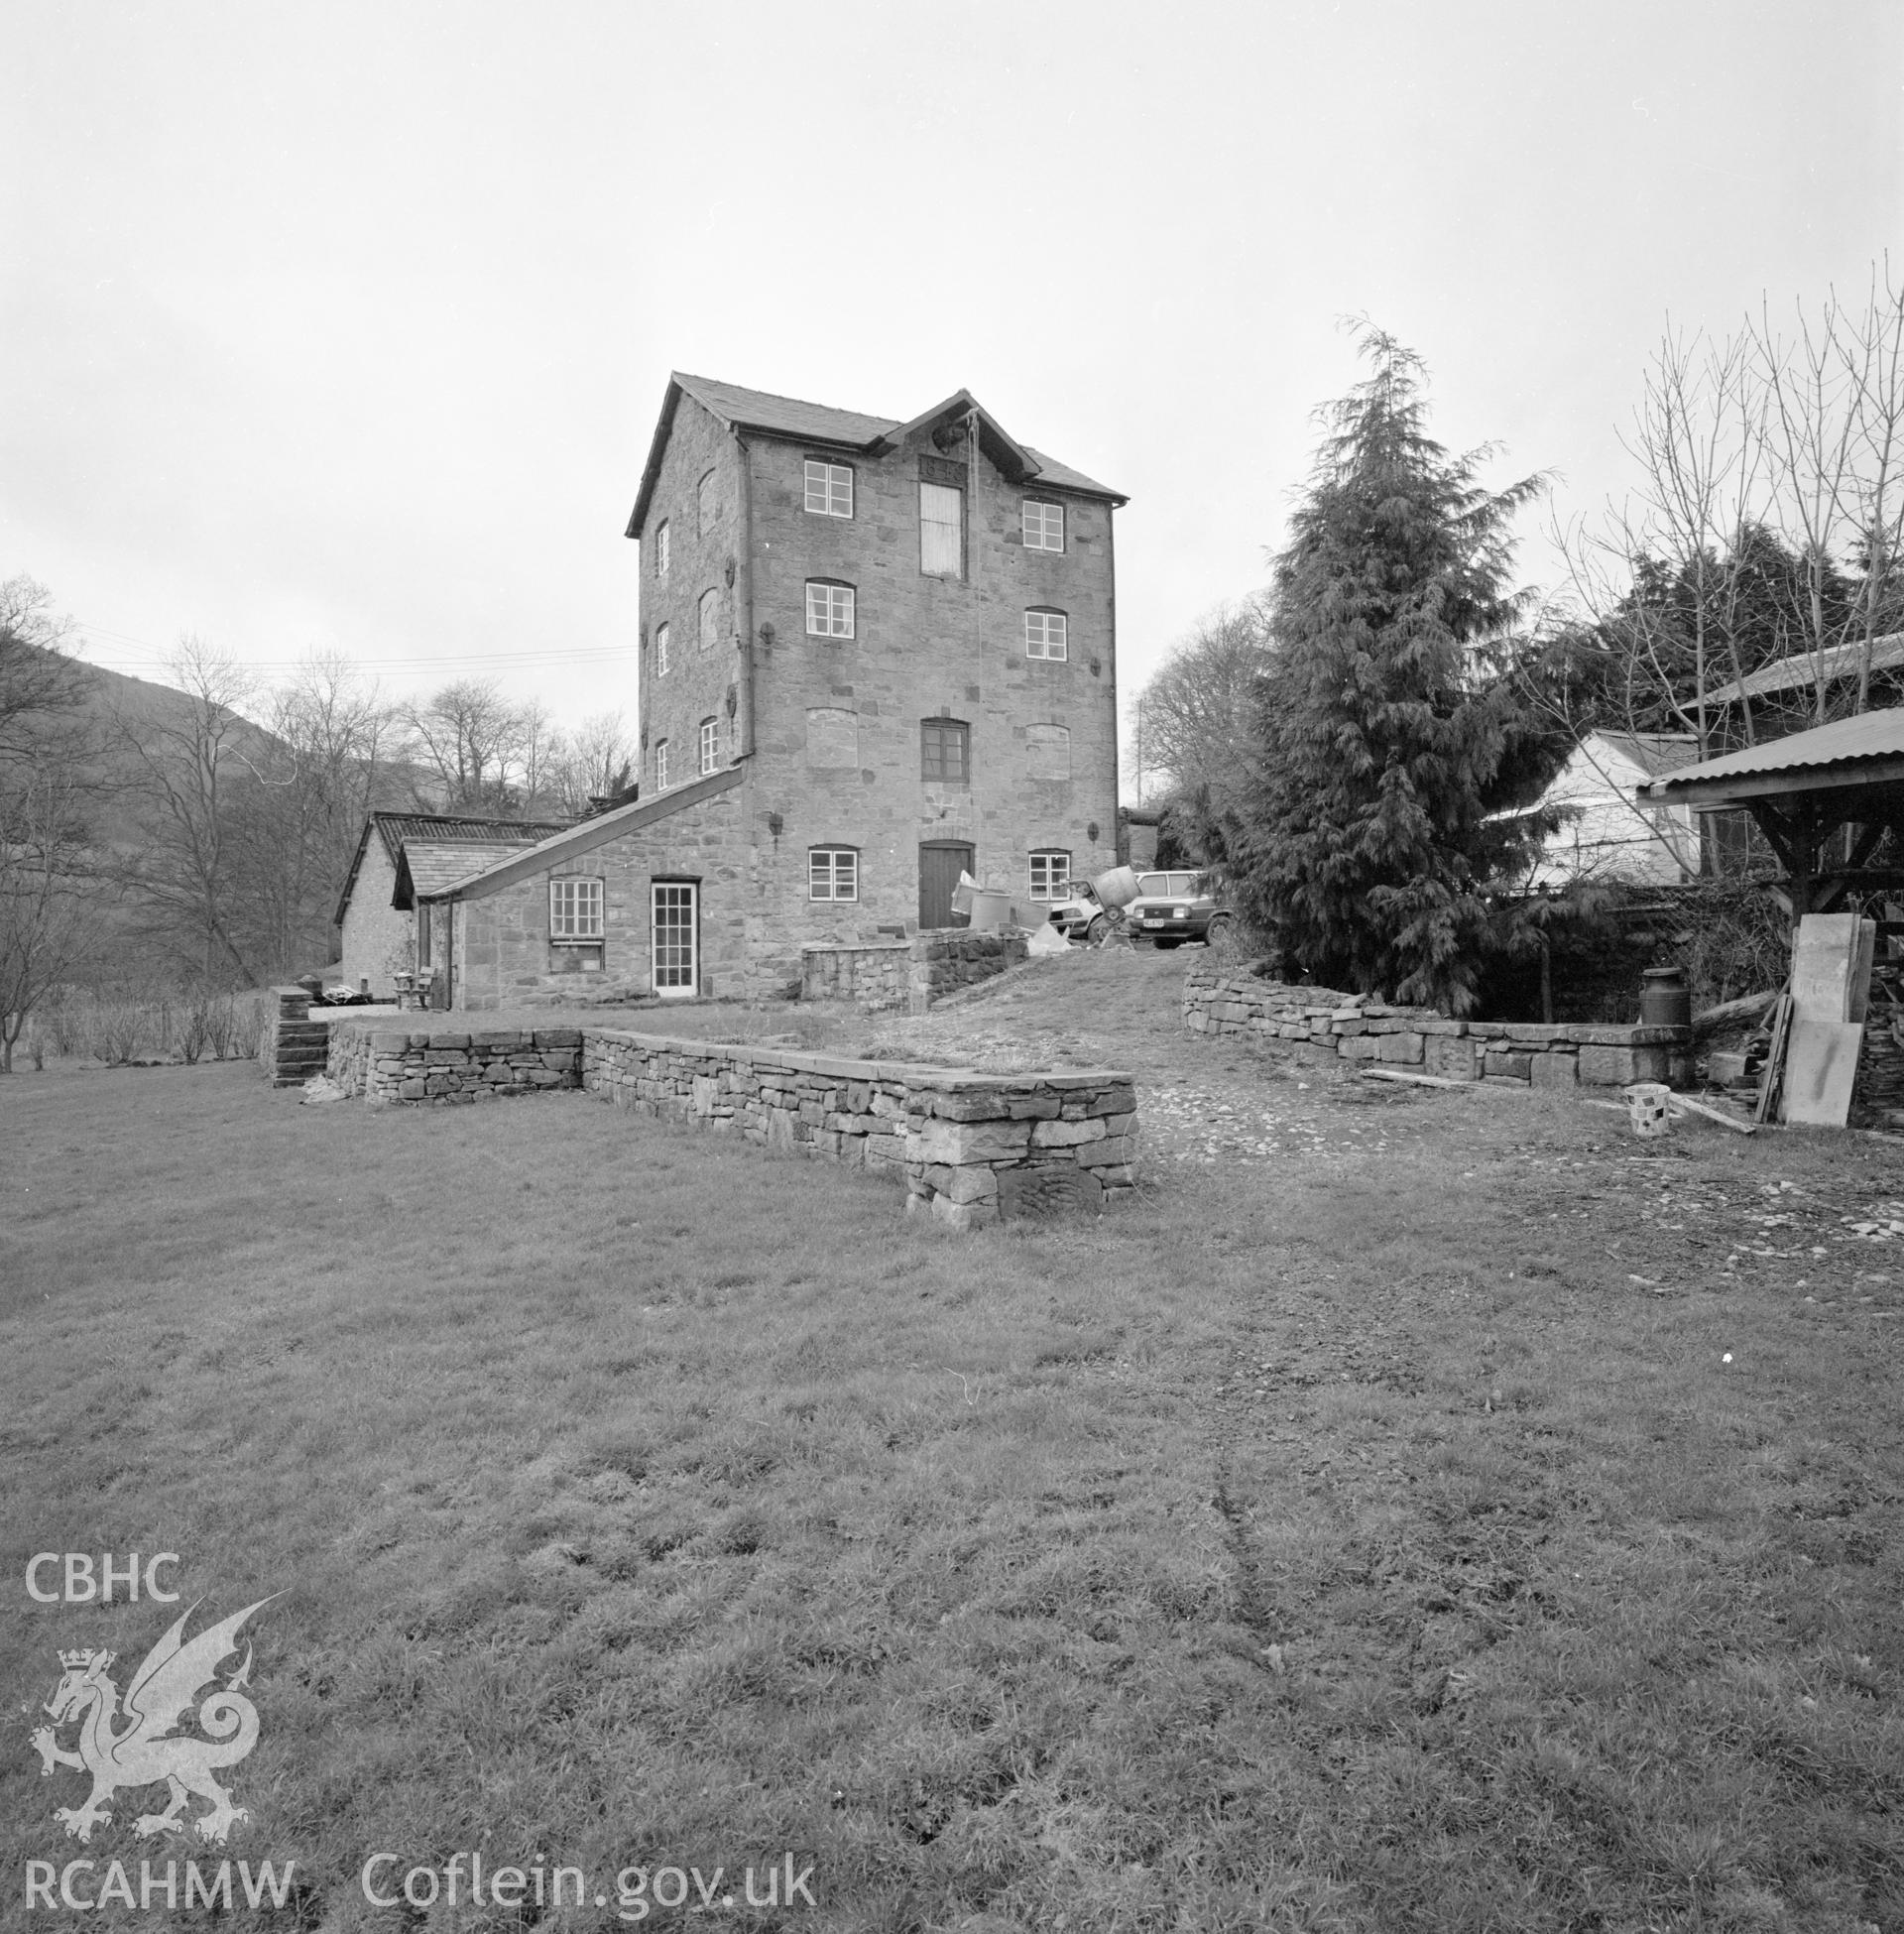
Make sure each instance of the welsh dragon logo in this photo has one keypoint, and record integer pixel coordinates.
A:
(150, 1748)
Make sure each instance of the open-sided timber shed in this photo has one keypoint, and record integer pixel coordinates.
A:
(1824, 800)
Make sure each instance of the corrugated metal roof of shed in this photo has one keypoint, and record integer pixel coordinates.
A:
(1871, 735)
(394, 828)
(1805, 668)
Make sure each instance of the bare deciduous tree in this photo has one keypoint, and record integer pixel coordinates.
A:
(1765, 526)
(595, 761)
(51, 918)
(1196, 718)
(472, 740)
(48, 898)
(188, 761)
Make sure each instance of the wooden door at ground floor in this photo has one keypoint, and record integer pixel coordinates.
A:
(941, 860)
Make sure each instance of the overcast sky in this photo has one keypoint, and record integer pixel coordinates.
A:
(346, 325)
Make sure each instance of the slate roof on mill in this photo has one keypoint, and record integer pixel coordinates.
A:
(849, 429)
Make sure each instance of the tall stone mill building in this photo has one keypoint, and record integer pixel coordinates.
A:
(873, 654)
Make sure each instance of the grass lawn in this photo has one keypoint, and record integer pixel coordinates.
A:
(1421, 1511)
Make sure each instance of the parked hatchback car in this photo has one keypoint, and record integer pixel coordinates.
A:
(1073, 915)
(1172, 908)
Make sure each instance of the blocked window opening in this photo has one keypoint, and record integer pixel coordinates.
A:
(832, 737)
(1047, 751)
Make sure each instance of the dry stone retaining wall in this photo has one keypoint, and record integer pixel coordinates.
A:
(973, 1148)
(906, 974)
(392, 1064)
(1329, 1026)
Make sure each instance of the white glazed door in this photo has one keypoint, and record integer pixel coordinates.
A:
(676, 933)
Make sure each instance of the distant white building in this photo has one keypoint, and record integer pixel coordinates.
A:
(1608, 834)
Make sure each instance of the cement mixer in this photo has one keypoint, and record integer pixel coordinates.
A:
(1118, 888)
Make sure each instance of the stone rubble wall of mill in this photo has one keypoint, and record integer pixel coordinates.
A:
(906, 975)
(973, 1148)
(1328, 1026)
(382, 1064)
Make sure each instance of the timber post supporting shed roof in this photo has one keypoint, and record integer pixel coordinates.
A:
(1807, 792)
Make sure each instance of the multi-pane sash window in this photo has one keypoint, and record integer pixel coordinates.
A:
(710, 745)
(829, 489)
(574, 909)
(832, 873)
(829, 609)
(661, 766)
(1043, 526)
(1044, 635)
(1049, 873)
(661, 549)
(661, 649)
(942, 531)
(711, 613)
(945, 752)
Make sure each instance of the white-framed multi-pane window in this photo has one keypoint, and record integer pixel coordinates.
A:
(1050, 870)
(1046, 635)
(832, 873)
(942, 531)
(829, 609)
(661, 548)
(710, 619)
(576, 909)
(660, 765)
(829, 489)
(706, 505)
(710, 745)
(1043, 526)
(661, 649)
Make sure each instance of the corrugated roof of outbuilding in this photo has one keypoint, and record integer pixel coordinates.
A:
(1867, 740)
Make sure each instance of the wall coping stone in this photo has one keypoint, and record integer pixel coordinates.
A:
(917, 1073)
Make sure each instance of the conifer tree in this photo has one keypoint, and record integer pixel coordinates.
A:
(1397, 762)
